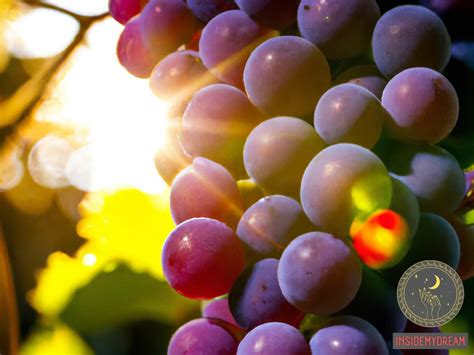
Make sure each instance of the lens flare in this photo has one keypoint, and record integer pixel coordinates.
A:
(382, 240)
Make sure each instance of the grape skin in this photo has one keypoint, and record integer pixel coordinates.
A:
(340, 28)
(342, 183)
(286, 76)
(410, 36)
(218, 131)
(205, 10)
(123, 10)
(226, 59)
(277, 152)
(177, 77)
(273, 338)
(219, 309)
(205, 189)
(367, 76)
(319, 274)
(270, 224)
(278, 14)
(256, 298)
(132, 52)
(166, 25)
(204, 337)
(202, 258)
(431, 173)
(422, 105)
(348, 113)
(348, 335)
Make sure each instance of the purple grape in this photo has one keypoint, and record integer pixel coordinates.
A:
(286, 76)
(278, 14)
(349, 113)
(344, 182)
(273, 338)
(202, 258)
(348, 335)
(132, 53)
(205, 10)
(226, 43)
(123, 10)
(203, 337)
(319, 274)
(410, 36)
(249, 191)
(430, 172)
(367, 76)
(277, 151)
(216, 124)
(166, 25)
(179, 76)
(219, 309)
(205, 189)
(340, 28)
(170, 159)
(256, 298)
(269, 225)
(423, 105)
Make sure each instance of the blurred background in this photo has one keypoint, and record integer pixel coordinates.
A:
(83, 212)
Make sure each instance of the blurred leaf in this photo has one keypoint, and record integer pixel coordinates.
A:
(57, 339)
(116, 297)
(8, 311)
(128, 225)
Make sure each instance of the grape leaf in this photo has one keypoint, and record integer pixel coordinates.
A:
(120, 296)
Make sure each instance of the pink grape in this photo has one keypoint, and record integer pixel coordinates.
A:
(226, 58)
(124, 10)
(205, 189)
(132, 52)
(177, 77)
(204, 337)
(216, 124)
(166, 25)
(202, 258)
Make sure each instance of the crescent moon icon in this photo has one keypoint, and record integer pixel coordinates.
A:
(437, 283)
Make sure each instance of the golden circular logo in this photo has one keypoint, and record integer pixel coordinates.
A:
(430, 293)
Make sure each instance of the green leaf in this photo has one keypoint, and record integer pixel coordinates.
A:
(120, 296)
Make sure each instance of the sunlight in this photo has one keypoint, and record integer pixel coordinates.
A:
(28, 37)
(123, 122)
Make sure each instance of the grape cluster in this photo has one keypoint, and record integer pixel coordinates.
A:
(301, 159)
